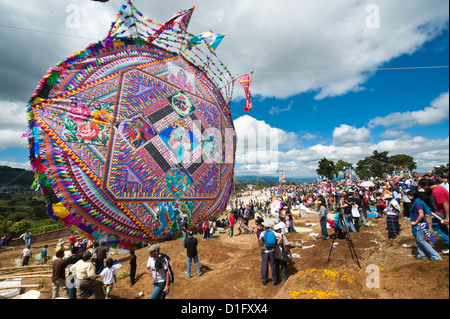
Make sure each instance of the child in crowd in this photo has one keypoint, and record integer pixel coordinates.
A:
(109, 276)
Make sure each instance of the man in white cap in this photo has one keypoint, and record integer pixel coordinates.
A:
(160, 268)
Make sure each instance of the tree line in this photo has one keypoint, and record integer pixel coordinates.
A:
(379, 164)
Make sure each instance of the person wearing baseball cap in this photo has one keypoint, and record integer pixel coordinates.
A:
(160, 268)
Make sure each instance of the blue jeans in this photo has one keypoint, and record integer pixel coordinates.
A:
(197, 265)
(323, 226)
(423, 247)
(440, 229)
(349, 221)
(99, 265)
(230, 230)
(291, 228)
(158, 291)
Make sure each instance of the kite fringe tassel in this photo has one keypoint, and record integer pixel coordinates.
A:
(134, 38)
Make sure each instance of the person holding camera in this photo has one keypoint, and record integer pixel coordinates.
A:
(346, 205)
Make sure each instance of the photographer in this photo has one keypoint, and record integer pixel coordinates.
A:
(346, 205)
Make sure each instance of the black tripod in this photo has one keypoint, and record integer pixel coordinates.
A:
(350, 245)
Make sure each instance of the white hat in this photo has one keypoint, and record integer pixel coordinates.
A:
(395, 204)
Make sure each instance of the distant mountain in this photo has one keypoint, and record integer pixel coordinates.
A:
(19, 177)
(241, 182)
(10, 176)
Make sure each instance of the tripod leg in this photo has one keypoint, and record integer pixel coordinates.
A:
(353, 251)
(331, 249)
(350, 243)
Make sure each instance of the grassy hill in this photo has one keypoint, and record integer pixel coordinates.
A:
(15, 177)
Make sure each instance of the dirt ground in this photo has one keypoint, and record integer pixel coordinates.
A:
(231, 268)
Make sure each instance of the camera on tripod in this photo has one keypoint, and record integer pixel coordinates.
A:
(343, 231)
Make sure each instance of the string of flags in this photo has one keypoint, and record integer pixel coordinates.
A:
(173, 35)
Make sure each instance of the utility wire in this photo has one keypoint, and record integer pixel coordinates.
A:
(356, 70)
(13, 179)
(264, 73)
(47, 32)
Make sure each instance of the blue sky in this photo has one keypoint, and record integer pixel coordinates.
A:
(387, 90)
(338, 115)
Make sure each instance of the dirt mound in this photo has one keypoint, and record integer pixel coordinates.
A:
(231, 268)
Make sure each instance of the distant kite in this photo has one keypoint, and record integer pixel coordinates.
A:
(133, 133)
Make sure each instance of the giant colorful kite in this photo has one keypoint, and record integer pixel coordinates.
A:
(131, 134)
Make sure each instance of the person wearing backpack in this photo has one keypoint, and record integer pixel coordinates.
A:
(268, 242)
(160, 268)
(420, 227)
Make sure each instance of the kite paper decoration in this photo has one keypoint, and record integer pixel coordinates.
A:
(134, 132)
(246, 82)
(209, 38)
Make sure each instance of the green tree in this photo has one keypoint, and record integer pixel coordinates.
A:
(376, 165)
(327, 169)
(403, 161)
(5, 225)
(341, 165)
(19, 228)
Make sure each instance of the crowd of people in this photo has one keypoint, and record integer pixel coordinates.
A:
(416, 197)
(423, 199)
(85, 271)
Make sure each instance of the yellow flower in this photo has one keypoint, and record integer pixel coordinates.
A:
(102, 117)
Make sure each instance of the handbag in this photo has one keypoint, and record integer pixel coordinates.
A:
(355, 212)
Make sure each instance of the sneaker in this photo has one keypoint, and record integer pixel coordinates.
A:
(445, 251)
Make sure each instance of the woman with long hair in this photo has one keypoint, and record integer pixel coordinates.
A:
(420, 227)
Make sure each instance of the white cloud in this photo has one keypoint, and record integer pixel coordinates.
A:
(349, 143)
(346, 134)
(13, 116)
(15, 164)
(412, 145)
(428, 159)
(273, 37)
(322, 35)
(276, 109)
(10, 138)
(13, 124)
(259, 135)
(436, 113)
